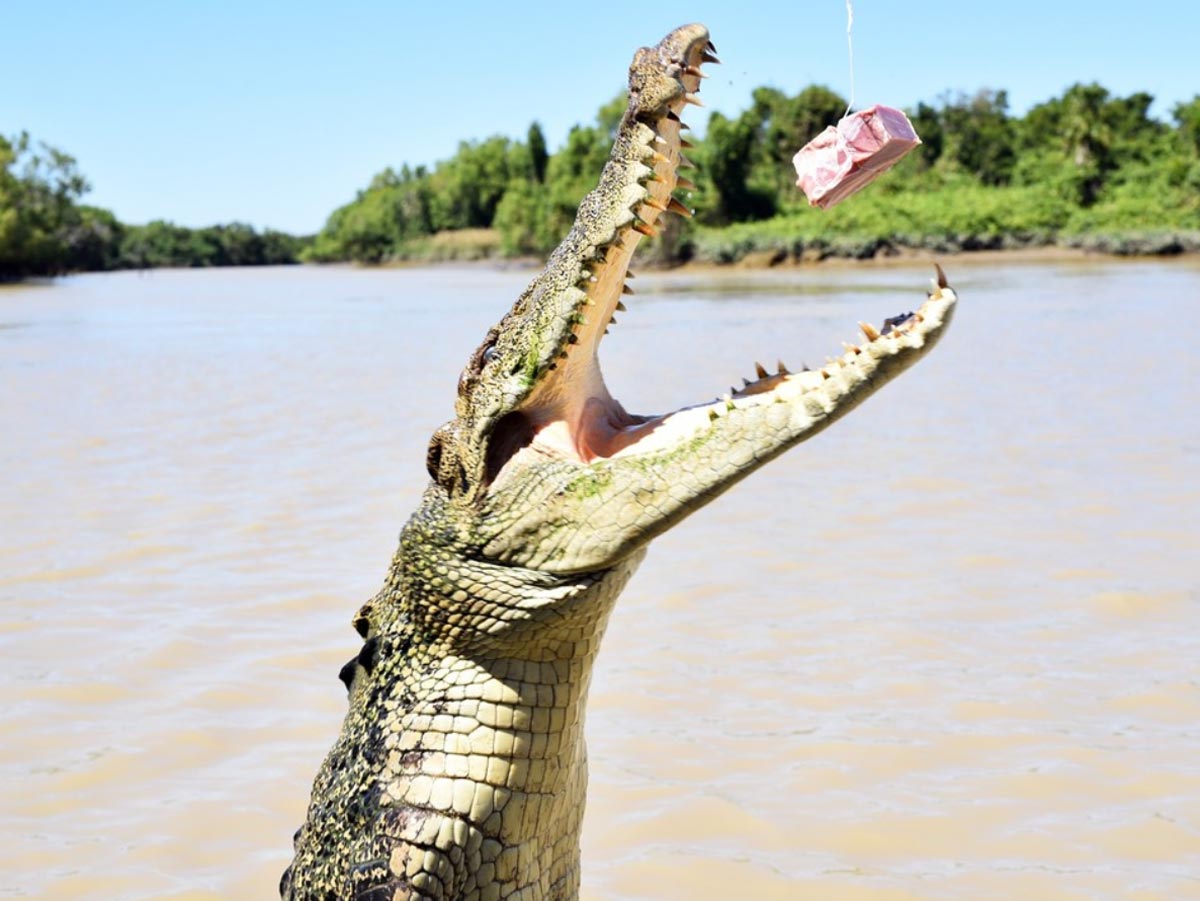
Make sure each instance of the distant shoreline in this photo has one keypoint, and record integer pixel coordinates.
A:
(763, 260)
(755, 261)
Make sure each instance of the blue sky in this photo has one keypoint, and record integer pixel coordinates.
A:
(276, 113)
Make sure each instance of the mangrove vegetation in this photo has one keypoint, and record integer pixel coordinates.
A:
(1085, 169)
(46, 230)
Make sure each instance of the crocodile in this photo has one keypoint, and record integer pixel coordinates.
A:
(460, 771)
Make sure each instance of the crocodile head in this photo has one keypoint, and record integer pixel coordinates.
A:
(549, 470)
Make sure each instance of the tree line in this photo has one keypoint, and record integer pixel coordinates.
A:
(46, 230)
(1086, 167)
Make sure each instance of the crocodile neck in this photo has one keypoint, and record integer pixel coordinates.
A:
(476, 772)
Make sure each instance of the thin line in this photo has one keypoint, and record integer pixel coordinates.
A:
(850, 49)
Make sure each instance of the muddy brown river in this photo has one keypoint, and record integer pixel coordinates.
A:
(948, 649)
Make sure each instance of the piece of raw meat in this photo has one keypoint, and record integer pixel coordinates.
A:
(847, 157)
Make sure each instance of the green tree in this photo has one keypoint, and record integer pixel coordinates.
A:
(979, 136)
(39, 188)
(927, 123)
(1187, 119)
(468, 187)
(729, 152)
(538, 155)
(93, 242)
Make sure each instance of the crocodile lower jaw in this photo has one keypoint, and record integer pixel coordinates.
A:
(602, 429)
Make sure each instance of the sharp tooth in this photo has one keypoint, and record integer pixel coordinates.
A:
(941, 277)
(686, 144)
(621, 306)
(691, 98)
(612, 321)
(783, 370)
(708, 57)
(630, 274)
(745, 383)
(685, 163)
(694, 70)
(761, 370)
(645, 228)
(676, 207)
(850, 348)
(674, 117)
(711, 47)
(868, 330)
(685, 183)
(659, 139)
(654, 204)
(661, 158)
(625, 289)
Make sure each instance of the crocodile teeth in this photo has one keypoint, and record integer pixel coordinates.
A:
(685, 163)
(685, 183)
(694, 70)
(693, 99)
(850, 348)
(675, 206)
(783, 370)
(645, 228)
(708, 57)
(625, 289)
(711, 46)
(761, 370)
(868, 330)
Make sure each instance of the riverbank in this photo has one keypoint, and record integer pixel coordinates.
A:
(483, 246)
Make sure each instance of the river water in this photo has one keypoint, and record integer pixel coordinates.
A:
(948, 649)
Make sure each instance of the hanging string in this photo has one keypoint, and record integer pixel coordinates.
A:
(850, 49)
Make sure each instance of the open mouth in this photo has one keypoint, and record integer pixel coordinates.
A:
(570, 415)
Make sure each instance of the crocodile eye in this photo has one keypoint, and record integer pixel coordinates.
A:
(433, 457)
(489, 354)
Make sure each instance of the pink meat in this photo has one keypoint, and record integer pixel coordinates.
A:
(844, 159)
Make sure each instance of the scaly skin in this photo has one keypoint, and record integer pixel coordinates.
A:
(461, 771)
